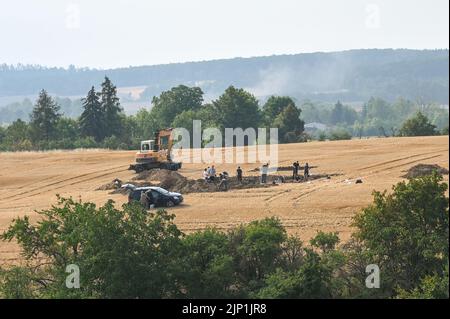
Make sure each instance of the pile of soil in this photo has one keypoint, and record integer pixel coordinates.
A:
(175, 182)
(424, 169)
(169, 180)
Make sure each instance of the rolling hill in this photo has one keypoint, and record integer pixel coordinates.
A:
(350, 76)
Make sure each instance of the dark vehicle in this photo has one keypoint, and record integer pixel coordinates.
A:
(159, 196)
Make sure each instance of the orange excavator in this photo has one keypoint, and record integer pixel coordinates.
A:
(156, 153)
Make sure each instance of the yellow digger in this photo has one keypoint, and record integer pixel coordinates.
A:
(156, 153)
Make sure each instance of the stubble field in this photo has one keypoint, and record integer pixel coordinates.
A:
(30, 181)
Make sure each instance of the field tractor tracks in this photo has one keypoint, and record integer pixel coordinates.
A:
(66, 182)
(381, 169)
(400, 159)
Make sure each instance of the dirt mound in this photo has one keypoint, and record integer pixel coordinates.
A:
(169, 180)
(423, 170)
(115, 184)
(175, 182)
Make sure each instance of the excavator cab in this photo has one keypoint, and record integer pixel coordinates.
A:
(147, 146)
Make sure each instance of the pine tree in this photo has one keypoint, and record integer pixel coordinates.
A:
(111, 108)
(44, 117)
(337, 114)
(92, 118)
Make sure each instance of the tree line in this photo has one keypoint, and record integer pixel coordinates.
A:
(132, 253)
(102, 122)
(376, 117)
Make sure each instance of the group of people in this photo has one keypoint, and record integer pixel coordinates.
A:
(209, 175)
(296, 169)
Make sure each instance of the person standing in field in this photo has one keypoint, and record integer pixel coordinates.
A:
(212, 173)
(306, 171)
(239, 174)
(295, 168)
(264, 171)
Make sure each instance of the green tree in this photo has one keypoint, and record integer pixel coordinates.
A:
(341, 114)
(237, 108)
(431, 287)
(325, 241)
(111, 109)
(337, 114)
(419, 125)
(378, 108)
(44, 117)
(406, 232)
(127, 253)
(143, 125)
(93, 118)
(288, 121)
(17, 136)
(311, 280)
(16, 283)
(173, 102)
(67, 128)
(257, 250)
(208, 265)
(274, 106)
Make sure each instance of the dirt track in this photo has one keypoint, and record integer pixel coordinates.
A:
(29, 181)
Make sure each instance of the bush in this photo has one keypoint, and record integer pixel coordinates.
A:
(86, 142)
(111, 142)
(322, 136)
(419, 125)
(340, 134)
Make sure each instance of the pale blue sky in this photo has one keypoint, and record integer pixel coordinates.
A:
(113, 33)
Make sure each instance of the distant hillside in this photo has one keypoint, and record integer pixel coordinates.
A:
(354, 75)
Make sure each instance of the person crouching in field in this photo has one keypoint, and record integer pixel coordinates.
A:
(223, 185)
(205, 174)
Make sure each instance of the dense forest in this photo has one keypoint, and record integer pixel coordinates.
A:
(354, 75)
(101, 123)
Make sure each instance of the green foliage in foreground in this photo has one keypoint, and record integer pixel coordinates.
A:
(132, 253)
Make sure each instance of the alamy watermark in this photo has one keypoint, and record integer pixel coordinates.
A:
(236, 145)
(73, 20)
(373, 279)
(73, 279)
(373, 20)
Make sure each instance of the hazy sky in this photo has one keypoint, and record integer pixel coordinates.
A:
(112, 33)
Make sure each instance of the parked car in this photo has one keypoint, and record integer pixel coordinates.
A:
(160, 196)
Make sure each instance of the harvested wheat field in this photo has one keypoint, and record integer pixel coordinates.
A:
(30, 181)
